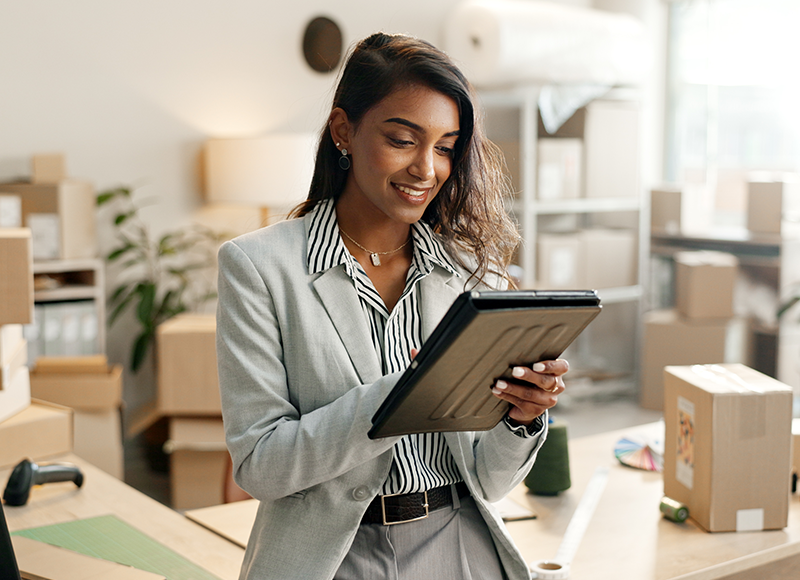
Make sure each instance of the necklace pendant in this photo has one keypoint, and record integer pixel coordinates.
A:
(376, 259)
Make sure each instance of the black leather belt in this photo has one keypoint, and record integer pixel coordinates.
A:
(409, 507)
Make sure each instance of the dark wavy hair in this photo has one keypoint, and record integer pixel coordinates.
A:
(468, 212)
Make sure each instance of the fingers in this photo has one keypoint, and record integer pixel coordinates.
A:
(533, 390)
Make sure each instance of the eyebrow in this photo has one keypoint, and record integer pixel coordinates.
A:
(407, 123)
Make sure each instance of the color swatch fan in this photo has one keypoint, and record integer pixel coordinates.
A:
(640, 452)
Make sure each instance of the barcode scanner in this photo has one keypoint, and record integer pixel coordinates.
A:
(26, 474)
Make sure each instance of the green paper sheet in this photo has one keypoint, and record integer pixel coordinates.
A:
(110, 538)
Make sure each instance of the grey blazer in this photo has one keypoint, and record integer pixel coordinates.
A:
(300, 382)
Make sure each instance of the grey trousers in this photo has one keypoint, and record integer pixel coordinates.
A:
(453, 543)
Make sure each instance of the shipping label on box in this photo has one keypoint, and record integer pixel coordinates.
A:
(10, 211)
(727, 453)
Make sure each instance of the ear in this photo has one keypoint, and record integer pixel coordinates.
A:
(341, 129)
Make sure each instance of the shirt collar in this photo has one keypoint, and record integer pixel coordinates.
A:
(326, 249)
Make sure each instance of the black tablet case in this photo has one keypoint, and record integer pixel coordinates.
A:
(447, 387)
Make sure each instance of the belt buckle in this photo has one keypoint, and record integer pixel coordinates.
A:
(383, 510)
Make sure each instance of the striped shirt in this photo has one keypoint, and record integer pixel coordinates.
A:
(421, 461)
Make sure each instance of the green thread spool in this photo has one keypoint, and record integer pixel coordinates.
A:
(674, 510)
(550, 473)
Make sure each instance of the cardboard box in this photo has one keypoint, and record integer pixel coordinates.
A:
(727, 452)
(559, 262)
(198, 457)
(15, 397)
(611, 147)
(609, 258)
(773, 204)
(704, 283)
(40, 431)
(681, 209)
(16, 276)
(10, 362)
(98, 439)
(84, 391)
(670, 339)
(48, 168)
(187, 366)
(62, 217)
(560, 171)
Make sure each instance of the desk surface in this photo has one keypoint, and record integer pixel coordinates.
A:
(102, 494)
(626, 538)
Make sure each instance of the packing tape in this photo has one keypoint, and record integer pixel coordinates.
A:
(558, 567)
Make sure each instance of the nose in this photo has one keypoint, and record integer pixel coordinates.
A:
(422, 166)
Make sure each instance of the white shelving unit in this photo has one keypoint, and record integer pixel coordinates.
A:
(75, 280)
(512, 122)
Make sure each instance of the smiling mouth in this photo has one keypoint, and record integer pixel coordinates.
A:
(411, 192)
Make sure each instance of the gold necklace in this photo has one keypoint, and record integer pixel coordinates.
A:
(375, 256)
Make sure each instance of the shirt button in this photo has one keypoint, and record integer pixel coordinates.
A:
(361, 493)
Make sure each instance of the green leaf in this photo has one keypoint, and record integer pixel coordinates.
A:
(105, 197)
(119, 252)
(120, 219)
(140, 348)
(118, 292)
(120, 308)
(147, 295)
(786, 306)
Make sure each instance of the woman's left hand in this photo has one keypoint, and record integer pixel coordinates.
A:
(532, 390)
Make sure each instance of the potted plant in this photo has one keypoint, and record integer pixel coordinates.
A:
(163, 276)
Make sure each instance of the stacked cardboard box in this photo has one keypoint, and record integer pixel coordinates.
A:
(94, 391)
(589, 258)
(198, 458)
(188, 394)
(727, 453)
(41, 431)
(60, 216)
(701, 329)
(773, 204)
(680, 209)
(560, 172)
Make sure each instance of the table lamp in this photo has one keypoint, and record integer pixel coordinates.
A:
(273, 171)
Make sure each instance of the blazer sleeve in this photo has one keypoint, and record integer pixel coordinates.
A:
(276, 450)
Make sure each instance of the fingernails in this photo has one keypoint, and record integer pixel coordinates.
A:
(538, 367)
(501, 385)
(518, 372)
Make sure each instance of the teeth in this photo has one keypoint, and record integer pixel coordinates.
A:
(410, 191)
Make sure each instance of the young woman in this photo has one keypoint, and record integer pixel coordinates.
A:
(319, 315)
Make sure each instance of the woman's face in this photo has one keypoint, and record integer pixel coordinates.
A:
(402, 153)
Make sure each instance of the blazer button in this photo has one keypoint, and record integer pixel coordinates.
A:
(361, 493)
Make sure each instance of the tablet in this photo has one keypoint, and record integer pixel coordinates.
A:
(448, 386)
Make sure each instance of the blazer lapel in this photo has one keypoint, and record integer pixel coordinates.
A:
(436, 297)
(335, 290)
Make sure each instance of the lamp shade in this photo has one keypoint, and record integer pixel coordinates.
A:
(271, 171)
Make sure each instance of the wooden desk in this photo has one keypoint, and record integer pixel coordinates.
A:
(626, 539)
(102, 494)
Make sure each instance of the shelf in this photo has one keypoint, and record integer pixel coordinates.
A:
(580, 205)
(71, 292)
(618, 295)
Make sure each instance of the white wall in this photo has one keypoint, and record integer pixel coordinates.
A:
(130, 90)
